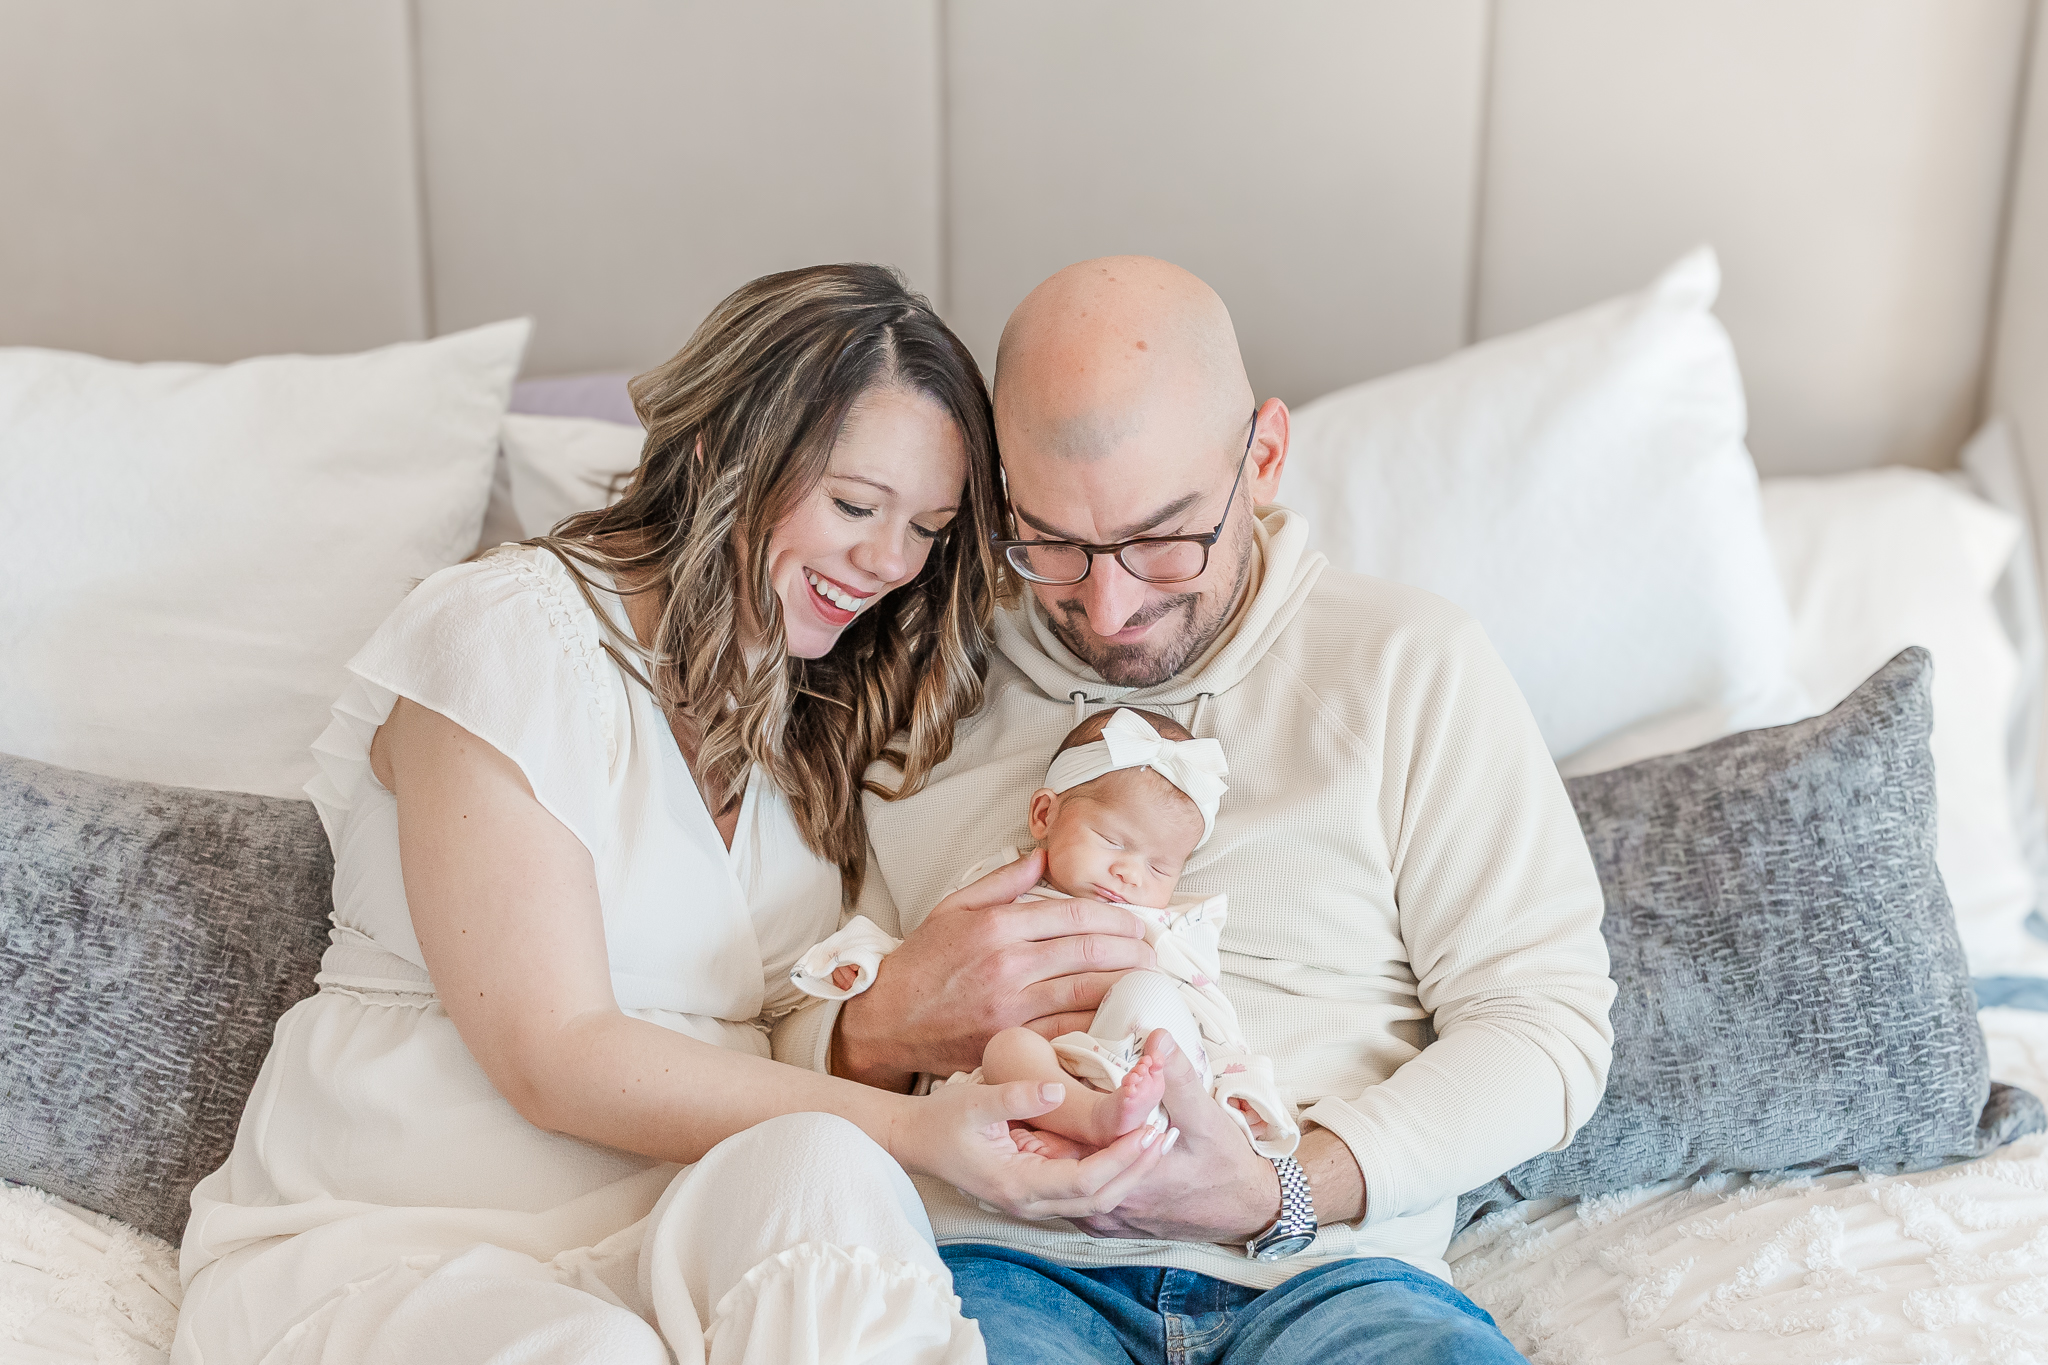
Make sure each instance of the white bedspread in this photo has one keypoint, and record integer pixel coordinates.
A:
(76, 1287)
(1946, 1266)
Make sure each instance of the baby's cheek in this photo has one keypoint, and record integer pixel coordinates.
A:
(1059, 859)
(1069, 864)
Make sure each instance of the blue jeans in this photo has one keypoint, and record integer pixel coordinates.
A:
(1370, 1311)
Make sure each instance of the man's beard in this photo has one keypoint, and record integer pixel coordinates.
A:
(1150, 663)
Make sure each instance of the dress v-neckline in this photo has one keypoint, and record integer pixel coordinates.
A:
(746, 808)
(741, 823)
(747, 801)
(749, 798)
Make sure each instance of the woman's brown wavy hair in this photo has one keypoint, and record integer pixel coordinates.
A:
(740, 425)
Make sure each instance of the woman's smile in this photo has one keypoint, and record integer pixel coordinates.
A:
(834, 601)
(892, 484)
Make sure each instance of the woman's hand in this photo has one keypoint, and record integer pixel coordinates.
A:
(1216, 1188)
(961, 1134)
(504, 901)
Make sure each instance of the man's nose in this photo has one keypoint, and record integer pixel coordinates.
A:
(1110, 596)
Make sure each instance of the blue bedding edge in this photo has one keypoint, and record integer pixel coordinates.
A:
(2014, 992)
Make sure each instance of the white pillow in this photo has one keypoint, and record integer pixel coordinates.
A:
(1885, 558)
(501, 522)
(1582, 489)
(189, 553)
(555, 467)
(1995, 470)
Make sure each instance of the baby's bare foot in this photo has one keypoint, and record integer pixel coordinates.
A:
(1131, 1103)
(1028, 1141)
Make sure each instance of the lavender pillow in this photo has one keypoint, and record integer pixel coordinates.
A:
(602, 396)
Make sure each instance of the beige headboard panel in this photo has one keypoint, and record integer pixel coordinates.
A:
(1370, 183)
(1317, 163)
(615, 169)
(1846, 157)
(2019, 386)
(208, 179)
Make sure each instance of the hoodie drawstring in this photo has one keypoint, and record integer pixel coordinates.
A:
(1080, 700)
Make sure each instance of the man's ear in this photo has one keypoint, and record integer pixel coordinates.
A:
(1269, 453)
(1045, 803)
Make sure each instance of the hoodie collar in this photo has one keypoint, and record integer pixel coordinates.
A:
(1283, 571)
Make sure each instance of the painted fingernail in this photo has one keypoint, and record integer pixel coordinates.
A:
(1172, 1136)
(1052, 1092)
(1150, 1135)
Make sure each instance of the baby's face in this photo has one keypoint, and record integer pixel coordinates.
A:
(1122, 838)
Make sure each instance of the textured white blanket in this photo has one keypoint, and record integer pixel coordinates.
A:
(1945, 1266)
(1937, 1268)
(75, 1286)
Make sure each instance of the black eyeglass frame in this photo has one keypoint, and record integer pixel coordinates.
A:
(1117, 548)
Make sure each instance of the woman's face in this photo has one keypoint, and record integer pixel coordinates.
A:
(893, 482)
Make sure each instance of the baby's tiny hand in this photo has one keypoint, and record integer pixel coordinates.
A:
(1251, 1116)
(844, 977)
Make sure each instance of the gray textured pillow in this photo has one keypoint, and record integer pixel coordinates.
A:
(149, 938)
(1792, 989)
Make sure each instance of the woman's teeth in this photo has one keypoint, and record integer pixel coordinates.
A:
(841, 600)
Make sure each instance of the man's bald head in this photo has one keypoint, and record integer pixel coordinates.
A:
(1123, 413)
(1110, 351)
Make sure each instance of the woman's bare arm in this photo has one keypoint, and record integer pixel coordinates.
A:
(504, 901)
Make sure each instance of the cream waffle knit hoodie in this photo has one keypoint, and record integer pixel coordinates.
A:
(1414, 936)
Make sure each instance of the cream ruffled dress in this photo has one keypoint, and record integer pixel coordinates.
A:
(384, 1202)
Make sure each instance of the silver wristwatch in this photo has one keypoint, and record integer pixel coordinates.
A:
(1294, 1231)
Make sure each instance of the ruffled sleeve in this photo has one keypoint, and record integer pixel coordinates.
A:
(506, 647)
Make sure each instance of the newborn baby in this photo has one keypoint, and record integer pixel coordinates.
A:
(1129, 796)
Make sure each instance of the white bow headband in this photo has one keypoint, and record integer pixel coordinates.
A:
(1196, 766)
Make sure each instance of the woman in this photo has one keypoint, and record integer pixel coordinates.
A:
(590, 799)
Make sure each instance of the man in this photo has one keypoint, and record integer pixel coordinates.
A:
(1414, 919)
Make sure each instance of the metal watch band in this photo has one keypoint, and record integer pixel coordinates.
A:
(1295, 1228)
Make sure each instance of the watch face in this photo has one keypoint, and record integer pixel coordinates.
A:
(1280, 1248)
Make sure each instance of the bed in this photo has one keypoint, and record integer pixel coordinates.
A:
(1946, 1265)
(1437, 177)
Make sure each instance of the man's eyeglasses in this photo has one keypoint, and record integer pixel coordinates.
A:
(1149, 559)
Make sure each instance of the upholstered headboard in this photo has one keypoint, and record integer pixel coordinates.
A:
(1370, 183)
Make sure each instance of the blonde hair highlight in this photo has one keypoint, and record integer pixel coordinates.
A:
(740, 425)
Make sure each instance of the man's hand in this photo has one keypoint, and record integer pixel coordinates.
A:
(979, 965)
(1210, 1186)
